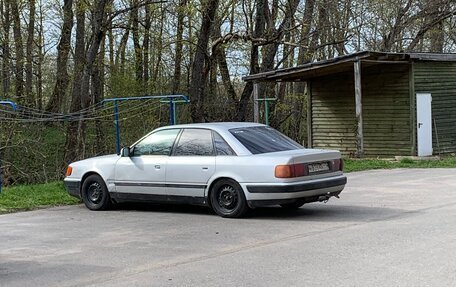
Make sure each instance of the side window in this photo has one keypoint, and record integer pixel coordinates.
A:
(195, 142)
(221, 146)
(159, 143)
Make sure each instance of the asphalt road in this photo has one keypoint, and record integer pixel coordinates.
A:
(389, 228)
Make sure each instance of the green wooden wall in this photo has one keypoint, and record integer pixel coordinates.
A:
(386, 111)
(439, 79)
(333, 113)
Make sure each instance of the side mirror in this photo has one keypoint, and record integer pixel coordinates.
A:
(125, 152)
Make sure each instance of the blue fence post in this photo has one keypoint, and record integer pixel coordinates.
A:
(171, 112)
(174, 113)
(116, 122)
(168, 98)
(14, 107)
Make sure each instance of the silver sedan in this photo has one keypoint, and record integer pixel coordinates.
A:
(230, 167)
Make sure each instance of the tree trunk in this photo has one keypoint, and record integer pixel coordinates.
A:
(63, 50)
(146, 46)
(179, 45)
(304, 53)
(263, 19)
(271, 51)
(112, 66)
(6, 24)
(431, 23)
(120, 55)
(398, 26)
(260, 22)
(159, 49)
(437, 38)
(199, 75)
(29, 55)
(98, 21)
(98, 95)
(71, 144)
(136, 45)
(75, 147)
(191, 52)
(220, 56)
(39, 65)
(19, 51)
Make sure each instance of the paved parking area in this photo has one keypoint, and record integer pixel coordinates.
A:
(390, 228)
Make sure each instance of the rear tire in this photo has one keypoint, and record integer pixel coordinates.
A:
(293, 205)
(95, 194)
(228, 199)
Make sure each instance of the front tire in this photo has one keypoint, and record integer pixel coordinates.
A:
(228, 199)
(95, 194)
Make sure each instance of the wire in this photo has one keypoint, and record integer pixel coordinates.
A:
(89, 115)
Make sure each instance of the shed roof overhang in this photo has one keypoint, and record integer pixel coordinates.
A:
(345, 64)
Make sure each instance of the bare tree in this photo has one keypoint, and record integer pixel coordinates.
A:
(63, 50)
(179, 45)
(199, 67)
(136, 44)
(6, 24)
(19, 49)
(29, 54)
(146, 45)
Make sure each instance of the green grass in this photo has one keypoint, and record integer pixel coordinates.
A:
(366, 164)
(28, 197)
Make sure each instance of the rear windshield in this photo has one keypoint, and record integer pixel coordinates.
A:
(264, 139)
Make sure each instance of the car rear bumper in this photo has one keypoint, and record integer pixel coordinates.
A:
(73, 187)
(301, 190)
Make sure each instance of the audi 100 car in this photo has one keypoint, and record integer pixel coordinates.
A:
(230, 167)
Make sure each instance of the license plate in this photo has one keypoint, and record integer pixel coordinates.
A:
(317, 167)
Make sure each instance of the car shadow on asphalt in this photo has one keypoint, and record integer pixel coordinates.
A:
(308, 212)
(163, 208)
(334, 213)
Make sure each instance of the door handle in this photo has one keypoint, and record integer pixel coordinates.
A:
(205, 168)
(157, 166)
(419, 125)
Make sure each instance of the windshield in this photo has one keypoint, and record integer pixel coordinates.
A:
(264, 139)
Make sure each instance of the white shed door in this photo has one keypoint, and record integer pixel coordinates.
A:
(424, 123)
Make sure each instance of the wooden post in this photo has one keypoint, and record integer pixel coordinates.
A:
(359, 110)
(256, 110)
(412, 108)
(309, 114)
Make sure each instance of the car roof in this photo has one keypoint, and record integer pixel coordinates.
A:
(218, 126)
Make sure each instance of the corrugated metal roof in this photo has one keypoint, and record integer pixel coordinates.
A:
(344, 63)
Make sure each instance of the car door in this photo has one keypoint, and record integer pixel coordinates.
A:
(144, 171)
(191, 164)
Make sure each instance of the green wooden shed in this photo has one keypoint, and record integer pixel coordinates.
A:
(378, 104)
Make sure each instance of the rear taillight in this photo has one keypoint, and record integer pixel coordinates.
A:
(291, 170)
(69, 171)
(338, 164)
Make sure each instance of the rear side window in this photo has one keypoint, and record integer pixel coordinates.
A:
(221, 146)
(264, 140)
(195, 142)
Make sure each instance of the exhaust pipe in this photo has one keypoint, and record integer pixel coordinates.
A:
(325, 197)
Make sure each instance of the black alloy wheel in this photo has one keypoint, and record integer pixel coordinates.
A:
(95, 194)
(227, 199)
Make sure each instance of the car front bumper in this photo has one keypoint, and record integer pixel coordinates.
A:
(310, 190)
(73, 187)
